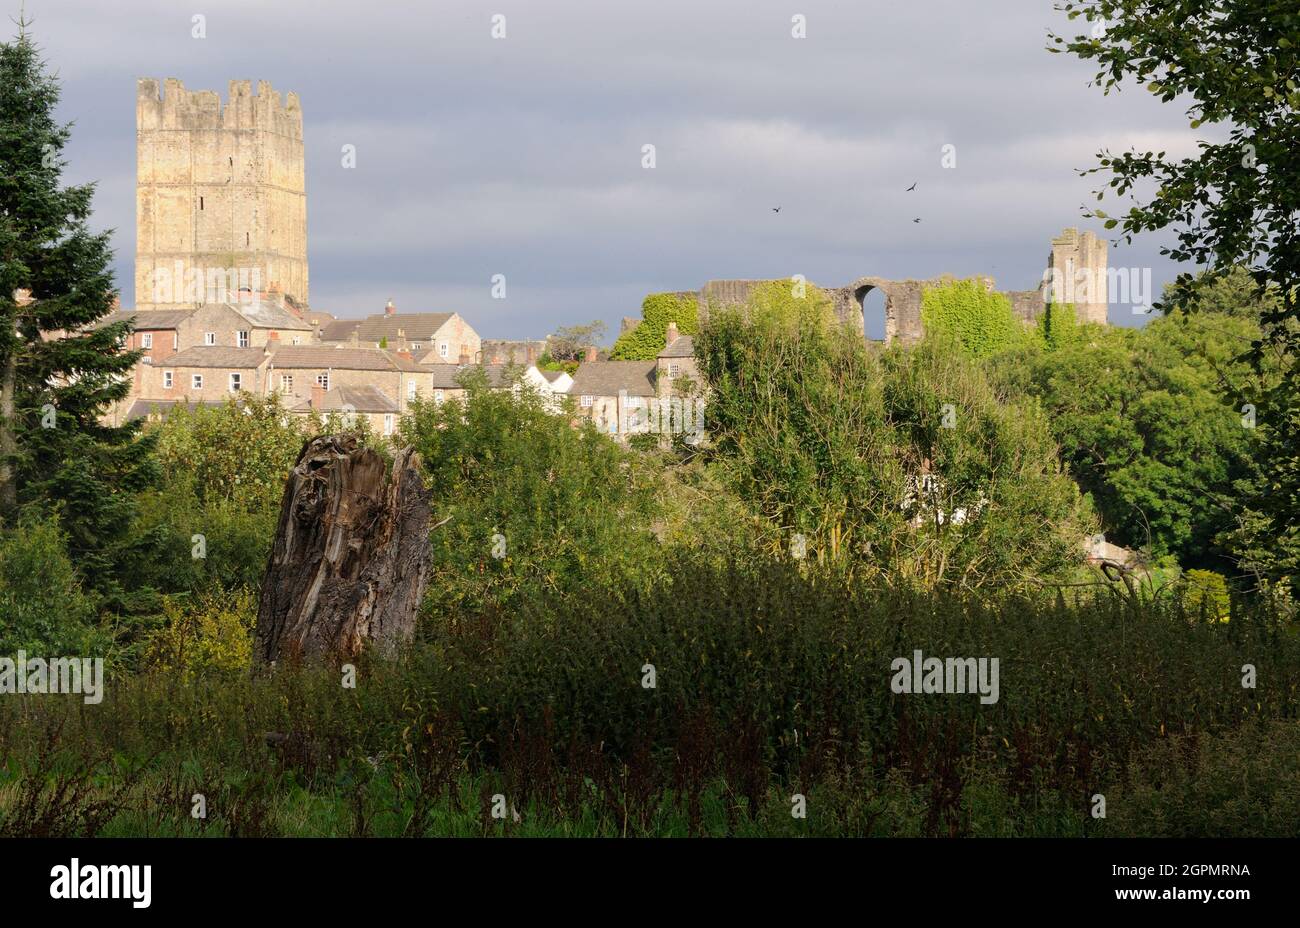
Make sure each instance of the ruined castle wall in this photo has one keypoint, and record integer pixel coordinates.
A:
(1028, 305)
(1077, 265)
(218, 187)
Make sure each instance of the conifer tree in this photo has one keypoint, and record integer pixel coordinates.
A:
(61, 366)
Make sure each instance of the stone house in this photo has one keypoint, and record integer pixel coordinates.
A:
(303, 375)
(615, 395)
(433, 338)
(354, 403)
(205, 374)
(376, 383)
(240, 324)
(676, 372)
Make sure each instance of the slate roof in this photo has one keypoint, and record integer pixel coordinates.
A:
(683, 346)
(416, 327)
(551, 376)
(215, 356)
(338, 330)
(142, 409)
(343, 359)
(148, 320)
(606, 378)
(264, 314)
(353, 399)
(445, 375)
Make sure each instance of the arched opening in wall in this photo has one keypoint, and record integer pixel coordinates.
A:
(873, 313)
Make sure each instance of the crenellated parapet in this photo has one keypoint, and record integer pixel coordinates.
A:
(171, 106)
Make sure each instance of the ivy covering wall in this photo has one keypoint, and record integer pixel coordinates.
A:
(644, 342)
(981, 320)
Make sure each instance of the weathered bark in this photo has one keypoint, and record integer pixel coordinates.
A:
(351, 554)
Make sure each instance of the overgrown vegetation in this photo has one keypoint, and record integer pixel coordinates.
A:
(769, 682)
(644, 341)
(683, 639)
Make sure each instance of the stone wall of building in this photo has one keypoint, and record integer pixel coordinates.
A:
(393, 384)
(218, 188)
(214, 389)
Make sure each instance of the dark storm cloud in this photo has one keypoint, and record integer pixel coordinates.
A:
(522, 156)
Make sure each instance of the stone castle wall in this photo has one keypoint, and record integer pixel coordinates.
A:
(1078, 254)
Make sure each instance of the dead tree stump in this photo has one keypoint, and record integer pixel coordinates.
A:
(351, 554)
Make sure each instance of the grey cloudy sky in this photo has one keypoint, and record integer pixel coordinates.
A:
(522, 156)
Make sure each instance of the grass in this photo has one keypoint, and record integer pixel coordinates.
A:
(770, 683)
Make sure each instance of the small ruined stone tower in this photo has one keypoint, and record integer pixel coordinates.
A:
(219, 190)
(1077, 269)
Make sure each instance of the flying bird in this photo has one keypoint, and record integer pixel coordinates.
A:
(911, 188)
(916, 220)
(776, 209)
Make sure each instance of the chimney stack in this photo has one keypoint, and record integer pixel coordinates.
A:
(670, 335)
(592, 353)
(390, 309)
(317, 396)
(532, 353)
(272, 342)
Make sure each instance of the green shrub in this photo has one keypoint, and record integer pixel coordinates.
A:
(42, 607)
(905, 463)
(213, 632)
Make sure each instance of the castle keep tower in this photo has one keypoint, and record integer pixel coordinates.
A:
(1078, 274)
(220, 194)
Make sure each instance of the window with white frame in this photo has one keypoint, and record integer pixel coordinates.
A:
(146, 340)
(410, 389)
(146, 359)
(674, 370)
(415, 346)
(586, 402)
(241, 339)
(286, 383)
(196, 381)
(437, 396)
(209, 338)
(167, 380)
(297, 339)
(388, 423)
(236, 382)
(443, 349)
(323, 378)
